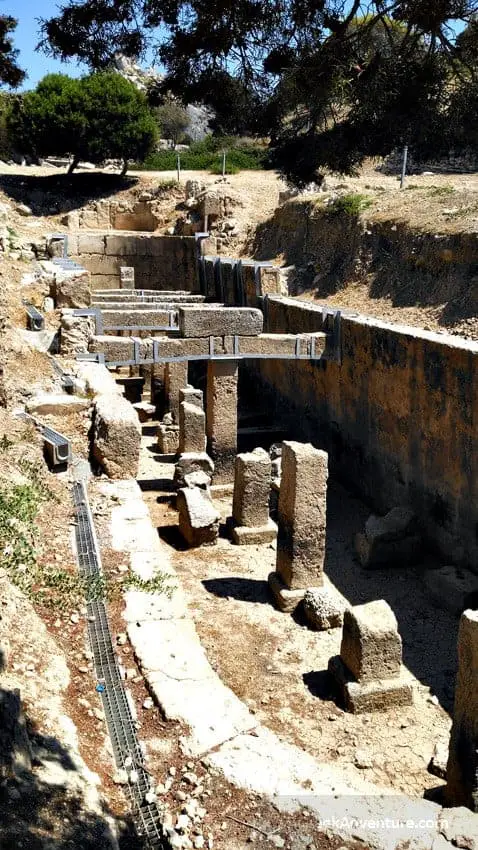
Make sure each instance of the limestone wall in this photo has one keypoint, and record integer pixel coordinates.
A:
(398, 417)
(160, 262)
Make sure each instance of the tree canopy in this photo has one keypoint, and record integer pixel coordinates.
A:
(330, 81)
(92, 118)
(10, 73)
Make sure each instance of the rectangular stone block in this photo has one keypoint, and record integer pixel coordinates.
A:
(252, 484)
(198, 518)
(290, 344)
(168, 439)
(175, 378)
(204, 322)
(127, 277)
(115, 348)
(192, 396)
(221, 417)
(91, 243)
(122, 245)
(192, 428)
(302, 515)
(362, 697)
(371, 645)
(135, 318)
(99, 264)
(462, 769)
(116, 436)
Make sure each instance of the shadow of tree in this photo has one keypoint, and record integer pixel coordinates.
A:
(56, 193)
(41, 804)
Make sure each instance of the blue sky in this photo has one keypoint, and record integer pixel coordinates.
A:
(26, 37)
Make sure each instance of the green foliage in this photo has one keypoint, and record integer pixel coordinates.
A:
(352, 204)
(207, 156)
(10, 74)
(93, 118)
(329, 82)
(172, 119)
(216, 168)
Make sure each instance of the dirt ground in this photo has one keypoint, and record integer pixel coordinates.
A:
(278, 666)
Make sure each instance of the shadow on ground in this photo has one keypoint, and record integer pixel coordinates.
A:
(57, 193)
(41, 813)
(243, 589)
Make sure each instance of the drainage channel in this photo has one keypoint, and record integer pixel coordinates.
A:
(121, 726)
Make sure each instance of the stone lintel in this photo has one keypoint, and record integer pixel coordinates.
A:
(221, 321)
(135, 318)
(118, 348)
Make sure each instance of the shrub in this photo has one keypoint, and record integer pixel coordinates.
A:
(206, 155)
(352, 204)
(92, 118)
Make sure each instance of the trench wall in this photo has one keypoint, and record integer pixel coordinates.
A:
(160, 262)
(399, 417)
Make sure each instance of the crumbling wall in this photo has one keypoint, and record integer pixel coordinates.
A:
(160, 262)
(397, 417)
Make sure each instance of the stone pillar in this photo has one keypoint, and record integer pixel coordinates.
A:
(221, 417)
(175, 378)
(302, 524)
(302, 516)
(368, 670)
(192, 428)
(462, 770)
(250, 507)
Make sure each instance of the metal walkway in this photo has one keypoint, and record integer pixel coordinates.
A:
(120, 722)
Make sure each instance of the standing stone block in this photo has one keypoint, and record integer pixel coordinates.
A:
(192, 428)
(116, 436)
(221, 417)
(168, 438)
(368, 671)
(175, 378)
(371, 645)
(127, 277)
(302, 516)
(250, 507)
(192, 396)
(252, 482)
(198, 518)
(462, 770)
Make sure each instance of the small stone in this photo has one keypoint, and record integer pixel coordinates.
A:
(182, 823)
(172, 771)
(75, 618)
(150, 797)
(191, 778)
(121, 638)
(198, 842)
(277, 841)
(120, 777)
(181, 796)
(362, 760)
(148, 703)
(133, 776)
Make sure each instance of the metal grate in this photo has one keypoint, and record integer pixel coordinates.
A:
(120, 722)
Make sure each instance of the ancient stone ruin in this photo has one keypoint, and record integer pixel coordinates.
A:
(241, 413)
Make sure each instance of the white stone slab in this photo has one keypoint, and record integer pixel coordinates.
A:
(171, 648)
(212, 711)
(263, 764)
(143, 607)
